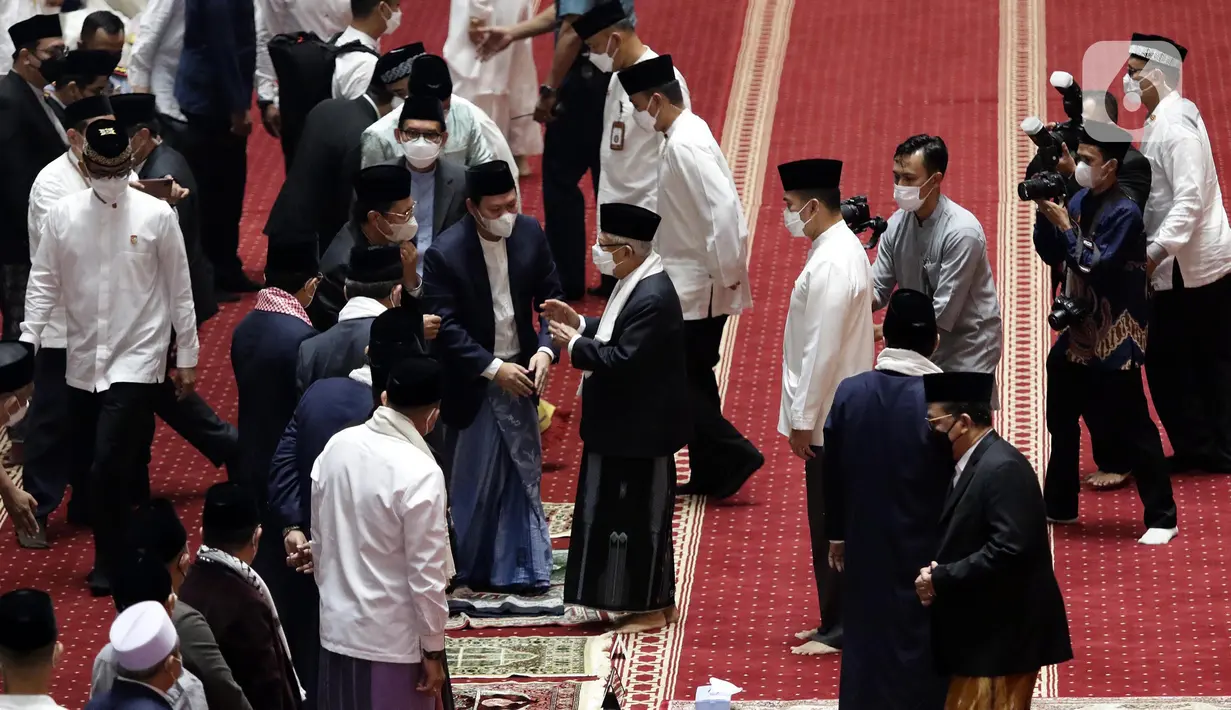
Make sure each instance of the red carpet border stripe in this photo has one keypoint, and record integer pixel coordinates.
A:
(654, 657)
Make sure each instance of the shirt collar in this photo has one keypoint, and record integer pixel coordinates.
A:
(29, 701)
(965, 459)
(941, 205)
(147, 685)
(275, 300)
(685, 115)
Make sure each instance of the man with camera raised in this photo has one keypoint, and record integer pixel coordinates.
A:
(1095, 366)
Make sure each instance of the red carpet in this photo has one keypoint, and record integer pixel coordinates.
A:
(857, 79)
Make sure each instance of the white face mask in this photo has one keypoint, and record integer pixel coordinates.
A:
(1085, 176)
(501, 226)
(18, 412)
(910, 198)
(394, 22)
(794, 222)
(603, 260)
(605, 62)
(421, 152)
(111, 188)
(645, 120)
(403, 232)
(1131, 85)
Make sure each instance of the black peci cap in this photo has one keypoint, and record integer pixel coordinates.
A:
(810, 174)
(628, 221)
(650, 74)
(959, 387)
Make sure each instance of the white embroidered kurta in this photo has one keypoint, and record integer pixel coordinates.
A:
(352, 72)
(155, 57)
(1184, 217)
(324, 18)
(506, 85)
(703, 236)
(56, 181)
(828, 335)
(122, 274)
(630, 175)
(380, 542)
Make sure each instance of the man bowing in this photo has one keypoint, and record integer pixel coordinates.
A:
(633, 362)
(828, 338)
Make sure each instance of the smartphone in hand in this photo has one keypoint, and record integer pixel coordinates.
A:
(156, 187)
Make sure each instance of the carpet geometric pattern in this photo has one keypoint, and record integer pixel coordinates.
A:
(517, 696)
(525, 656)
(559, 519)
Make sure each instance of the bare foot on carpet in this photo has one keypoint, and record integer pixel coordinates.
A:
(1103, 481)
(648, 621)
(814, 648)
(806, 634)
(523, 166)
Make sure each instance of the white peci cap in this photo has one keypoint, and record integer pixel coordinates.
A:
(143, 636)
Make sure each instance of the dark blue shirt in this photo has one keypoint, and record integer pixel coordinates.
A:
(1109, 278)
(219, 58)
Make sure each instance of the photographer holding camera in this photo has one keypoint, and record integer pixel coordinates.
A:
(1094, 368)
(935, 246)
(1133, 174)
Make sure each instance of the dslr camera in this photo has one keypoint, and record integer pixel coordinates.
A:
(1050, 142)
(1042, 186)
(858, 217)
(1066, 312)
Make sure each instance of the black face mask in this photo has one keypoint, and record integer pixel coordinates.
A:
(941, 442)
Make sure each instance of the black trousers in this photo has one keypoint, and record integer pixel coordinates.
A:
(1114, 405)
(1188, 363)
(719, 456)
(828, 580)
(570, 148)
(115, 421)
(13, 279)
(197, 423)
(54, 459)
(219, 162)
(173, 131)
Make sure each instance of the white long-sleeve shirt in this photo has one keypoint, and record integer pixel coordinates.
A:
(828, 335)
(703, 236)
(155, 56)
(506, 345)
(380, 542)
(324, 18)
(630, 175)
(1184, 217)
(352, 72)
(121, 271)
(59, 179)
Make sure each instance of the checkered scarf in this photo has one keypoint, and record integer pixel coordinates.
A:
(275, 300)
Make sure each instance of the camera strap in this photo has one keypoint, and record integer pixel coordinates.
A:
(1082, 239)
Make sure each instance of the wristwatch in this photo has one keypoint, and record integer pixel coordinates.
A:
(290, 529)
(546, 92)
(434, 655)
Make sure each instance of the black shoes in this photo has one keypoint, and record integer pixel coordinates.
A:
(98, 583)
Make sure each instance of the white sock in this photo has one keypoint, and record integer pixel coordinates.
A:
(1159, 536)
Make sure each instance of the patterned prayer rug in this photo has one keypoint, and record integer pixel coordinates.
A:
(559, 519)
(489, 610)
(564, 695)
(1038, 704)
(529, 656)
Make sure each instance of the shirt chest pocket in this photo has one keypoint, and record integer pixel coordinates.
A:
(136, 265)
(930, 273)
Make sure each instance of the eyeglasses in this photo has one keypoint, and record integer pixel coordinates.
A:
(933, 420)
(413, 134)
(401, 217)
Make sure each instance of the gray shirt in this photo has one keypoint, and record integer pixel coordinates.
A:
(945, 257)
(186, 694)
(423, 189)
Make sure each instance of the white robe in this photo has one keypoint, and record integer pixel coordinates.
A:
(505, 87)
(703, 237)
(828, 335)
(380, 542)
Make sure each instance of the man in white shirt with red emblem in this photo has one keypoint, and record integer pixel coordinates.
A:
(1188, 361)
(703, 240)
(114, 257)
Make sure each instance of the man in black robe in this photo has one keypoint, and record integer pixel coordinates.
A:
(32, 137)
(315, 199)
(620, 555)
(997, 613)
(884, 487)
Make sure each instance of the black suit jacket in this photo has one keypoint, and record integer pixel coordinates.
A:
(456, 288)
(315, 199)
(1134, 176)
(161, 162)
(247, 634)
(638, 375)
(29, 142)
(998, 609)
(333, 353)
